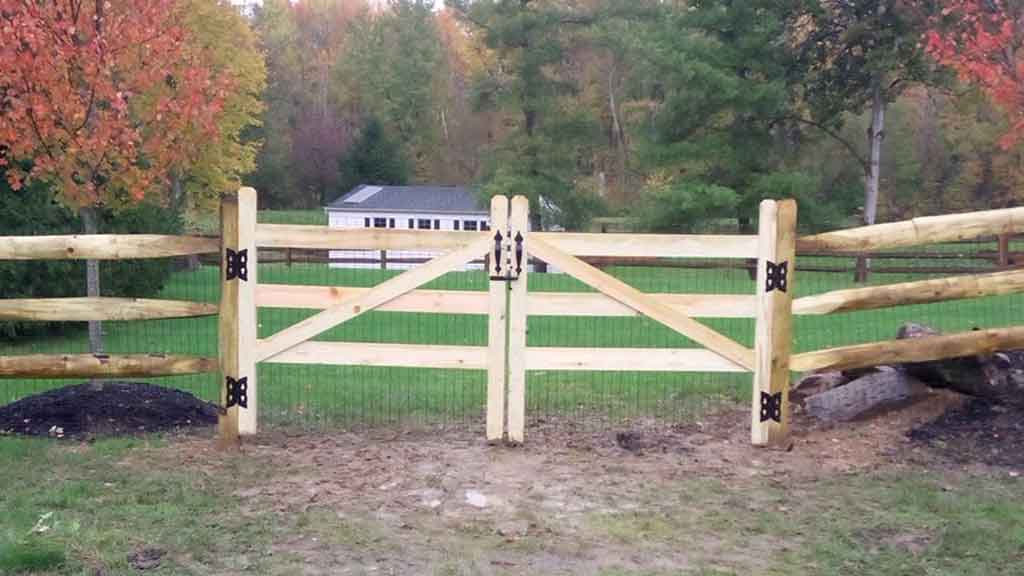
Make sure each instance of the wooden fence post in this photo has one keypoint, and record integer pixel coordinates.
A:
(1004, 250)
(237, 328)
(519, 224)
(773, 332)
(497, 335)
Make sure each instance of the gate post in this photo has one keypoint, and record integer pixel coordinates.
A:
(773, 331)
(237, 326)
(519, 230)
(497, 335)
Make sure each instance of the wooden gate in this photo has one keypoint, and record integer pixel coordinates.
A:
(509, 245)
(511, 304)
(241, 349)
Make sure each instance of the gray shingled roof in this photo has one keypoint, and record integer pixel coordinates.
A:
(432, 199)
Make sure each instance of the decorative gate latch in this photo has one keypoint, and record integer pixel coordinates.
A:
(505, 249)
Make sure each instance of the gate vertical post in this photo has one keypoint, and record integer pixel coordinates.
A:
(519, 230)
(774, 328)
(237, 322)
(497, 336)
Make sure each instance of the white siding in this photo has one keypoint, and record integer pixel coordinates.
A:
(358, 220)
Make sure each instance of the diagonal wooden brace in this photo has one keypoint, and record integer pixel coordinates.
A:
(379, 295)
(642, 303)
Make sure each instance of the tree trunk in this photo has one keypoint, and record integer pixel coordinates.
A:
(876, 132)
(866, 396)
(618, 133)
(92, 279)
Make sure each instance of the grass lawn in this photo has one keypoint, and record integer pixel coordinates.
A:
(362, 395)
(399, 505)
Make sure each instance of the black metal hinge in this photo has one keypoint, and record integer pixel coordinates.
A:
(771, 407)
(236, 265)
(238, 392)
(776, 276)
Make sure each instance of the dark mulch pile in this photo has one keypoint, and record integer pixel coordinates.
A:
(110, 408)
(977, 431)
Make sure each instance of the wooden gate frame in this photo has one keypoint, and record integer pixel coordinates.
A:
(769, 360)
(507, 357)
(240, 347)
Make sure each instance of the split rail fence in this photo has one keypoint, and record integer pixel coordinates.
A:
(103, 247)
(508, 247)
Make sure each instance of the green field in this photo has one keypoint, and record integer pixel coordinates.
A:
(364, 395)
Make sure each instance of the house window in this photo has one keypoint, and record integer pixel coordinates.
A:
(380, 222)
(391, 223)
(412, 223)
(456, 224)
(366, 222)
(423, 224)
(469, 225)
(484, 225)
(437, 224)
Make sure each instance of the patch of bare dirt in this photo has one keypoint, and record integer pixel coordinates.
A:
(572, 500)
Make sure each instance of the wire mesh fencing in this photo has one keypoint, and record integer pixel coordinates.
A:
(356, 396)
(187, 280)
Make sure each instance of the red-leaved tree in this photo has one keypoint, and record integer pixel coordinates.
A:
(102, 99)
(981, 41)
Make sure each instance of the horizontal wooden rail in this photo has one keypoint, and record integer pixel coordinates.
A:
(642, 303)
(86, 309)
(397, 355)
(629, 360)
(327, 238)
(102, 366)
(912, 350)
(651, 245)
(581, 244)
(907, 293)
(918, 231)
(475, 357)
(539, 303)
(104, 246)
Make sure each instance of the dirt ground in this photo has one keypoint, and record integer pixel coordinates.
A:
(647, 498)
(569, 501)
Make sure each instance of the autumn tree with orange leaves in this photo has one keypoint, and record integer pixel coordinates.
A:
(101, 99)
(981, 41)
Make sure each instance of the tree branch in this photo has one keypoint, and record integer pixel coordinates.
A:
(865, 165)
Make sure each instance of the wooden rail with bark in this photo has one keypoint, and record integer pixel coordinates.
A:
(104, 247)
(907, 293)
(918, 231)
(86, 309)
(102, 366)
(983, 342)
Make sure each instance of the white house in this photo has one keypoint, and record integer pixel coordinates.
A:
(404, 207)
